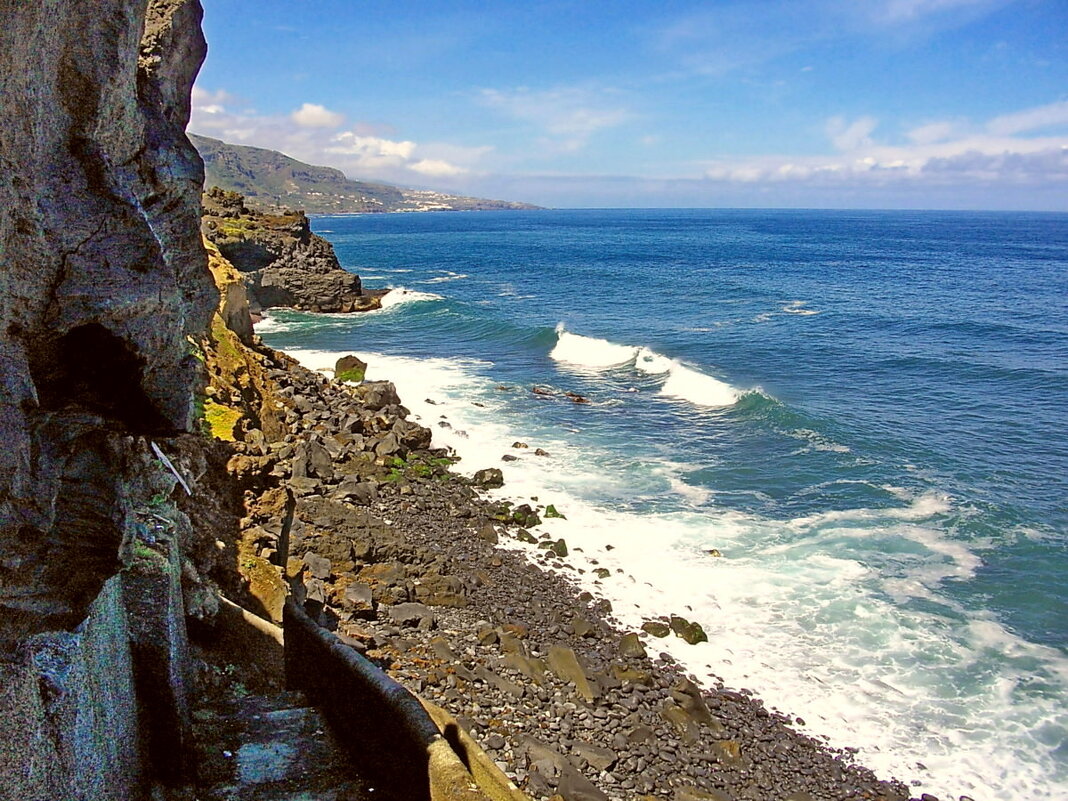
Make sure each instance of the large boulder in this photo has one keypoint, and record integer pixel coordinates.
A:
(377, 395)
(350, 368)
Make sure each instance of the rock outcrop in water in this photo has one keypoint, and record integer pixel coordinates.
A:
(283, 262)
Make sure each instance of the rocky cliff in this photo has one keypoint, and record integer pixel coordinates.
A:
(283, 262)
(103, 280)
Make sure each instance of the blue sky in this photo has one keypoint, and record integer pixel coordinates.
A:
(806, 103)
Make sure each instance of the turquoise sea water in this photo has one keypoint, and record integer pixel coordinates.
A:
(864, 412)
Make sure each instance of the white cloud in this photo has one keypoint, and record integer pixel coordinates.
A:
(724, 37)
(967, 160)
(436, 167)
(311, 115)
(896, 11)
(1031, 119)
(570, 115)
(310, 134)
(214, 100)
(851, 136)
(933, 132)
(936, 153)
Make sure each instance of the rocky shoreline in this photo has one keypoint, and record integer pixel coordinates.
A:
(282, 261)
(397, 553)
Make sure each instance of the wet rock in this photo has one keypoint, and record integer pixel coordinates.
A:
(559, 547)
(689, 631)
(656, 627)
(490, 478)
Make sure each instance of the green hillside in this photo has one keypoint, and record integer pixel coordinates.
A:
(271, 179)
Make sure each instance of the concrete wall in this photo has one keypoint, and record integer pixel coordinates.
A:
(69, 722)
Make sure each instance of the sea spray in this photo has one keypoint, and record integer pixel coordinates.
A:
(681, 382)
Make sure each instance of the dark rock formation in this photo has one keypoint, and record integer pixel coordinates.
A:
(283, 262)
(103, 279)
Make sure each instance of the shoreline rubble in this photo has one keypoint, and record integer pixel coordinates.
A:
(397, 554)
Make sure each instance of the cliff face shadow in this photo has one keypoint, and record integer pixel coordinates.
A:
(91, 368)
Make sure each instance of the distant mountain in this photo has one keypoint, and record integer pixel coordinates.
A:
(273, 180)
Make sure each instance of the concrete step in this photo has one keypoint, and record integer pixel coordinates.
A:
(272, 748)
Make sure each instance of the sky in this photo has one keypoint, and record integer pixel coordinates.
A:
(954, 104)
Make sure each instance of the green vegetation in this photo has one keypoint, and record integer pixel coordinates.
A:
(237, 227)
(418, 467)
(220, 421)
(355, 375)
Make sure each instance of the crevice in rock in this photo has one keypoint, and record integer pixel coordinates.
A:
(91, 368)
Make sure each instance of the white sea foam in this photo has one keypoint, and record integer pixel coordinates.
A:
(269, 324)
(797, 610)
(698, 388)
(798, 307)
(681, 381)
(817, 441)
(402, 295)
(449, 276)
(652, 363)
(580, 351)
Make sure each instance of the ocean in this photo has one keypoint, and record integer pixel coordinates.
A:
(865, 414)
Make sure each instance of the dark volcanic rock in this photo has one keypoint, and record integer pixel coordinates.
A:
(285, 264)
(103, 276)
(489, 478)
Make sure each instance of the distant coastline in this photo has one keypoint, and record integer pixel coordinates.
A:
(275, 181)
